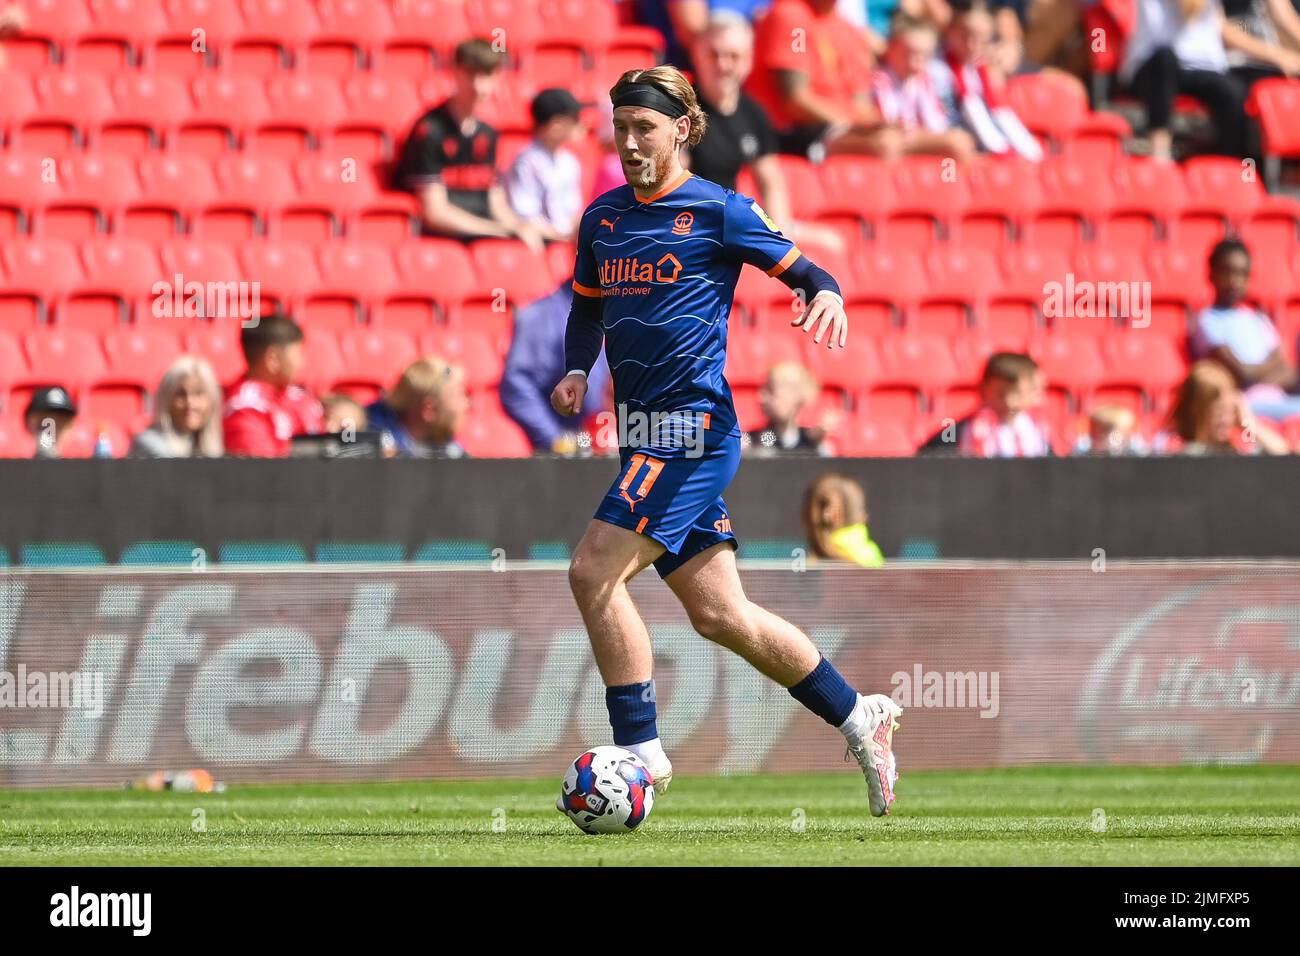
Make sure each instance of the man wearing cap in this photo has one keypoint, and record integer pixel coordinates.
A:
(545, 182)
(655, 274)
(49, 418)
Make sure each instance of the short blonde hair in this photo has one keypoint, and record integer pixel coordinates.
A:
(1114, 417)
(423, 378)
(675, 84)
(798, 374)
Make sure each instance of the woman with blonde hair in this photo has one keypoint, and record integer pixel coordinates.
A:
(1211, 417)
(835, 521)
(187, 414)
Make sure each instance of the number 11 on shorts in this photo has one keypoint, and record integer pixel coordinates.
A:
(638, 461)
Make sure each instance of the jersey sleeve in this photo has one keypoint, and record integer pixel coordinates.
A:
(421, 159)
(750, 236)
(586, 278)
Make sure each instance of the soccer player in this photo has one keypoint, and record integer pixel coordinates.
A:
(656, 269)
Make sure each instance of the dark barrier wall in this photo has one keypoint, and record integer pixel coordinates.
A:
(1047, 508)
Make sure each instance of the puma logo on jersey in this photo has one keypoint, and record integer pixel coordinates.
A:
(606, 222)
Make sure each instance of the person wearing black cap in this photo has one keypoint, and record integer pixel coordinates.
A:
(655, 275)
(49, 418)
(544, 184)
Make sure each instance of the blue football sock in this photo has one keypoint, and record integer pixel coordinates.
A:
(632, 713)
(826, 694)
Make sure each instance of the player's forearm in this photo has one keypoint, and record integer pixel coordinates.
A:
(584, 334)
(805, 278)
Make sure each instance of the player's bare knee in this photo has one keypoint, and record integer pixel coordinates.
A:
(731, 624)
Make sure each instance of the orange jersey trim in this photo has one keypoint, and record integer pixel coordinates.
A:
(680, 180)
(586, 290)
(640, 525)
(786, 262)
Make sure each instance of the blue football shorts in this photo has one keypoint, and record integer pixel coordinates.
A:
(671, 491)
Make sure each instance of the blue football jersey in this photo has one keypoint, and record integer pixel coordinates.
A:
(665, 269)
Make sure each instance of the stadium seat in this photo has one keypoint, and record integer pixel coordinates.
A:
(39, 273)
(930, 197)
(488, 433)
(140, 354)
(1049, 105)
(895, 274)
(172, 187)
(453, 550)
(380, 103)
(353, 552)
(474, 350)
(437, 271)
(302, 106)
(771, 549)
(1275, 103)
(874, 438)
(218, 343)
(174, 53)
(1002, 194)
(961, 277)
(858, 184)
(121, 268)
(226, 107)
(1179, 274)
(349, 30)
(1225, 187)
(60, 554)
(72, 104)
(147, 106)
(261, 552)
(159, 552)
(510, 265)
(285, 270)
(423, 32)
(130, 24)
(1149, 362)
(845, 369)
(353, 275)
(923, 362)
(275, 31)
(1070, 359)
(68, 356)
(94, 185)
(1074, 194)
(375, 357)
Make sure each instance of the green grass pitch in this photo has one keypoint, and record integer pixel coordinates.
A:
(1035, 816)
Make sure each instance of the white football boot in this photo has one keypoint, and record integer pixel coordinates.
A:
(874, 750)
(661, 773)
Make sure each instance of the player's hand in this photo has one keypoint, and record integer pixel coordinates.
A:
(568, 396)
(825, 311)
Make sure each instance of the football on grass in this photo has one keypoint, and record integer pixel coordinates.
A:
(607, 790)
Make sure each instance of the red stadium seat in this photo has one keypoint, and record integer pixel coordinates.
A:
(225, 108)
(1003, 194)
(28, 181)
(380, 102)
(518, 22)
(847, 369)
(375, 357)
(220, 21)
(1049, 105)
(1180, 274)
(218, 343)
(95, 185)
(859, 185)
(121, 271)
(133, 23)
(1223, 186)
(323, 360)
(274, 31)
(301, 105)
(57, 21)
(960, 277)
(173, 186)
(438, 268)
(349, 30)
(334, 182)
(894, 274)
(489, 433)
(285, 270)
(353, 275)
(423, 31)
(260, 182)
(69, 356)
(930, 192)
(923, 362)
(199, 260)
(747, 358)
(38, 274)
(474, 350)
(873, 437)
(140, 354)
(803, 184)
(1070, 359)
(71, 105)
(17, 101)
(510, 265)
(631, 48)
(392, 218)
(147, 106)
(1073, 193)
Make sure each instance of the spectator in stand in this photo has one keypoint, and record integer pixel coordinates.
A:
(1263, 39)
(1006, 424)
(544, 184)
(609, 172)
(187, 414)
(907, 94)
(49, 417)
(835, 522)
(1243, 339)
(266, 408)
(343, 414)
(1178, 47)
(423, 413)
(810, 75)
(449, 158)
(739, 133)
(1112, 432)
(533, 366)
(789, 389)
(1211, 417)
(973, 89)
(680, 22)
(876, 17)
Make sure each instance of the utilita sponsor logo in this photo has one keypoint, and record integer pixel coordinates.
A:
(1207, 674)
(359, 691)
